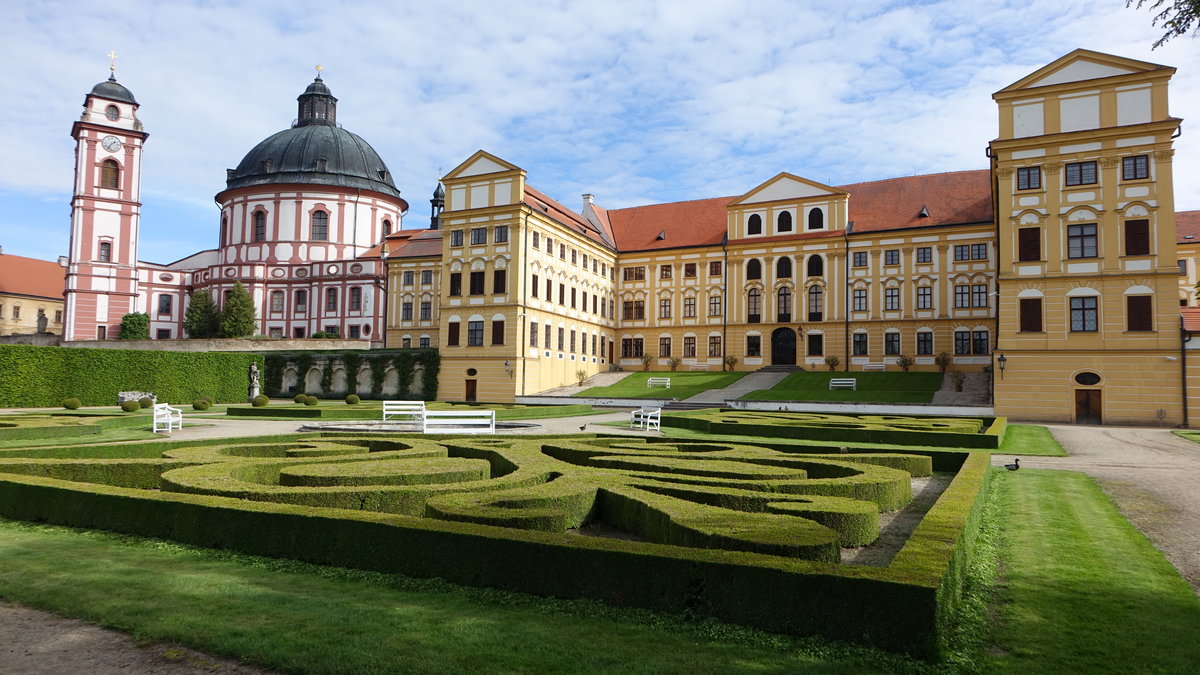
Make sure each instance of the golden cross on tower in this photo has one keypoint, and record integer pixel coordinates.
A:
(112, 60)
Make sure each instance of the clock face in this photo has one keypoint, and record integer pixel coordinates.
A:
(111, 143)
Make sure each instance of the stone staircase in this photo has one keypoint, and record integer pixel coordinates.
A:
(780, 369)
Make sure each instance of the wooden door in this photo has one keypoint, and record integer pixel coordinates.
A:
(783, 347)
(469, 391)
(1087, 406)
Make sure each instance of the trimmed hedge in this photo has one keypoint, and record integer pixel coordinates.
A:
(955, 432)
(37, 377)
(723, 534)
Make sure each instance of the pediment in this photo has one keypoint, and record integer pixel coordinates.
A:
(1079, 66)
(479, 164)
(786, 186)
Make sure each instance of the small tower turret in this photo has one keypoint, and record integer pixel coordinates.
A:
(436, 205)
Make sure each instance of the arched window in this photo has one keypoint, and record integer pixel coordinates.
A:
(754, 306)
(754, 225)
(816, 303)
(816, 219)
(387, 227)
(105, 252)
(784, 222)
(276, 301)
(260, 226)
(754, 269)
(110, 174)
(783, 268)
(816, 266)
(224, 225)
(113, 113)
(784, 305)
(320, 226)
(164, 304)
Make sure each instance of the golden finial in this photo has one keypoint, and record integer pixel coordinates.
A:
(319, 69)
(112, 60)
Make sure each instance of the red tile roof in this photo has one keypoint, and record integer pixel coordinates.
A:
(1187, 227)
(955, 198)
(32, 277)
(538, 201)
(1191, 319)
(696, 223)
(409, 244)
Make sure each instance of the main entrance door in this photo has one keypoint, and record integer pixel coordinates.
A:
(1087, 406)
(783, 347)
(469, 393)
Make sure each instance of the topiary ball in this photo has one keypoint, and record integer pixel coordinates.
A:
(299, 398)
(145, 402)
(131, 406)
(310, 400)
(260, 401)
(72, 404)
(201, 403)
(353, 399)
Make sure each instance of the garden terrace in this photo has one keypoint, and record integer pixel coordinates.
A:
(745, 533)
(870, 387)
(372, 410)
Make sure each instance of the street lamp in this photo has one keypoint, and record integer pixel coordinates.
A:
(1002, 361)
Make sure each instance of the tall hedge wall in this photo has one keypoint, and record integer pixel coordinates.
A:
(39, 377)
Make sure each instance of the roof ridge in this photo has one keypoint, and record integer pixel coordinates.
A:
(919, 175)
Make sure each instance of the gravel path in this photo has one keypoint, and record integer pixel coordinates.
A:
(1151, 474)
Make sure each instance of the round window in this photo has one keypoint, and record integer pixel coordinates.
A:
(1087, 379)
(367, 329)
(112, 112)
(471, 372)
(355, 268)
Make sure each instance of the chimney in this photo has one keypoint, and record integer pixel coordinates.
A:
(588, 199)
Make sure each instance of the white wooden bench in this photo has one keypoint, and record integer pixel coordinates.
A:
(698, 366)
(167, 418)
(874, 366)
(843, 383)
(404, 411)
(458, 422)
(659, 382)
(646, 419)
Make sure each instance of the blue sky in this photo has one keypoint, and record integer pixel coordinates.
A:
(636, 102)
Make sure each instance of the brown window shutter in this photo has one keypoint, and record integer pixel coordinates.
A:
(1031, 315)
(1139, 310)
(1137, 237)
(1029, 244)
(452, 334)
(497, 332)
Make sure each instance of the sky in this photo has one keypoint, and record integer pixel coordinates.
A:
(637, 102)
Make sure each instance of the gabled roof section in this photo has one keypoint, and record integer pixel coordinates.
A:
(1187, 227)
(1081, 65)
(424, 243)
(682, 224)
(955, 198)
(31, 277)
(786, 186)
(540, 203)
(479, 164)
(1191, 319)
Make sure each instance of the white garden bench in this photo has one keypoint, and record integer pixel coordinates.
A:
(167, 418)
(698, 366)
(404, 411)
(874, 366)
(458, 422)
(646, 419)
(659, 382)
(843, 383)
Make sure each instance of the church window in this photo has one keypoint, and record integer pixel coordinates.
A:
(301, 302)
(754, 224)
(816, 219)
(783, 268)
(816, 266)
(784, 222)
(816, 303)
(754, 306)
(783, 309)
(105, 252)
(113, 113)
(320, 226)
(260, 226)
(164, 304)
(387, 227)
(110, 174)
(276, 301)
(331, 299)
(754, 269)
(355, 299)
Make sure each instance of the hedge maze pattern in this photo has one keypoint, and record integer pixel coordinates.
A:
(967, 432)
(709, 495)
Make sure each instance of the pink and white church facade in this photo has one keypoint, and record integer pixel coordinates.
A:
(301, 220)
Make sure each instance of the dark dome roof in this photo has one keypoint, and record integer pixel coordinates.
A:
(316, 154)
(114, 91)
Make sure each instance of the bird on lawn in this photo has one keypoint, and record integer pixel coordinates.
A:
(582, 427)
(1015, 465)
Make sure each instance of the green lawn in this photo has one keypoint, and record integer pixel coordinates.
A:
(683, 385)
(305, 618)
(1030, 439)
(872, 387)
(1079, 589)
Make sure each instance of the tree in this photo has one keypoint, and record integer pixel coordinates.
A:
(201, 320)
(1177, 17)
(1196, 292)
(135, 326)
(237, 319)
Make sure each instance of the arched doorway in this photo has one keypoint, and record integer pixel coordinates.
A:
(783, 347)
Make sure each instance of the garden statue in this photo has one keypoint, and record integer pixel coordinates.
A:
(254, 382)
(41, 321)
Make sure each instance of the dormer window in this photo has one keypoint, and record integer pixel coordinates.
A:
(113, 113)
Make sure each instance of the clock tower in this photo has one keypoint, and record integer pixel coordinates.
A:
(102, 280)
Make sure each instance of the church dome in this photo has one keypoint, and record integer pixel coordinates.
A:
(113, 91)
(314, 151)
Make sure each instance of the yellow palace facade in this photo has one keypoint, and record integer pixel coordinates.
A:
(1061, 257)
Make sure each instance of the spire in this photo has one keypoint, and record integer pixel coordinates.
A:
(317, 104)
(436, 205)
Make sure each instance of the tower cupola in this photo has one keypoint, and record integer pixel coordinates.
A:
(317, 105)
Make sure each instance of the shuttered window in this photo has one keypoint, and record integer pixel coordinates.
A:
(1137, 237)
(1029, 244)
(1031, 315)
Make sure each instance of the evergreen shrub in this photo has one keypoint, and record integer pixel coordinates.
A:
(145, 402)
(260, 401)
(353, 399)
(72, 404)
(299, 398)
(311, 400)
(131, 406)
(201, 404)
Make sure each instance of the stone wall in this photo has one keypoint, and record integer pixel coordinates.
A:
(226, 345)
(36, 339)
